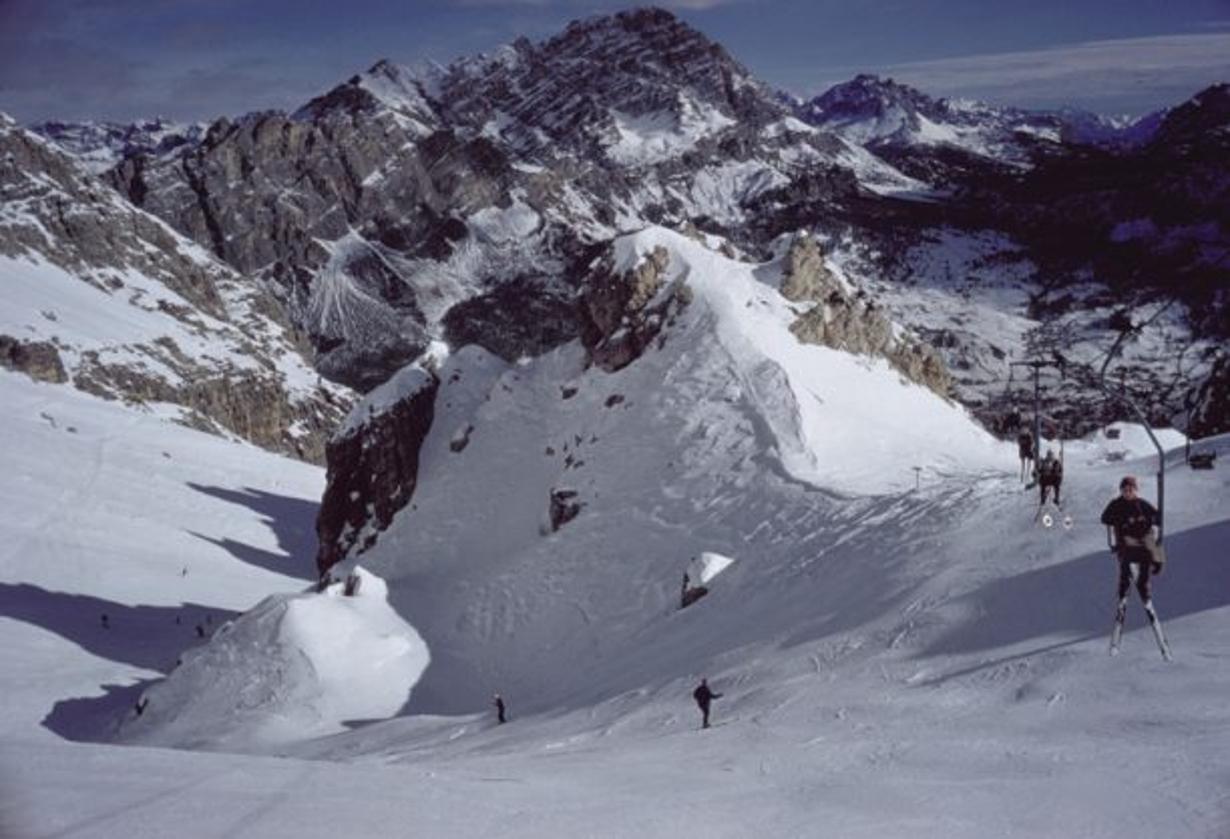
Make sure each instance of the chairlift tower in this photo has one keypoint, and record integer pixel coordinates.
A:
(1122, 396)
(1037, 364)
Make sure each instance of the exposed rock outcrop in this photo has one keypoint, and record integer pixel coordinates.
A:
(245, 403)
(620, 321)
(516, 319)
(469, 189)
(373, 464)
(84, 227)
(37, 359)
(843, 321)
(148, 316)
(563, 507)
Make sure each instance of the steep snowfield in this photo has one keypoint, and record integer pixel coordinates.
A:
(115, 511)
(894, 661)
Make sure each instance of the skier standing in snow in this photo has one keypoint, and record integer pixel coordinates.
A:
(1131, 520)
(703, 697)
(1025, 447)
(1050, 476)
(498, 702)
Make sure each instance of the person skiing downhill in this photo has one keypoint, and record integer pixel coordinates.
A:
(1050, 476)
(1025, 448)
(498, 702)
(1131, 520)
(703, 696)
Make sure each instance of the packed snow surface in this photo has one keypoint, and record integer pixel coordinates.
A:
(900, 653)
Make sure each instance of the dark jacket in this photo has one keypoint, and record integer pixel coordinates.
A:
(1025, 444)
(704, 696)
(1050, 471)
(1132, 521)
(1133, 518)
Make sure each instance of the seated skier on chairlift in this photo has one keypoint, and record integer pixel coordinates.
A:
(1050, 476)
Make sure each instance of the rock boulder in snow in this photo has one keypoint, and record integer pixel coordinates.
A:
(37, 359)
(621, 322)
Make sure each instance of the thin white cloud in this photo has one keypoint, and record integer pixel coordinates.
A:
(1117, 72)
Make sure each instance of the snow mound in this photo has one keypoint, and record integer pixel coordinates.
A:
(708, 565)
(294, 667)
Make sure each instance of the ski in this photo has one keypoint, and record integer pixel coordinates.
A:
(1052, 514)
(1116, 634)
(1156, 623)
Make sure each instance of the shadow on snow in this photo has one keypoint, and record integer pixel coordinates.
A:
(1077, 598)
(147, 637)
(292, 520)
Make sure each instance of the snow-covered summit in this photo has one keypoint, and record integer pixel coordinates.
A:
(401, 90)
(636, 72)
(873, 111)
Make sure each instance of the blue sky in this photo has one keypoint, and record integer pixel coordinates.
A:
(198, 59)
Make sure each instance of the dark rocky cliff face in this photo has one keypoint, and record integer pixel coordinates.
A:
(373, 469)
(396, 166)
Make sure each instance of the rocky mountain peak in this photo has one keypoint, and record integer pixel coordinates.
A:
(1204, 117)
(652, 44)
(383, 85)
(868, 96)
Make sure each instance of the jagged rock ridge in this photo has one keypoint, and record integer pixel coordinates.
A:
(128, 309)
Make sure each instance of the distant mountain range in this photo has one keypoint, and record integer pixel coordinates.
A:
(464, 204)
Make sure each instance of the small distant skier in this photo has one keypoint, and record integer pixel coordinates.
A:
(1131, 519)
(1050, 476)
(1025, 448)
(683, 592)
(498, 702)
(703, 697)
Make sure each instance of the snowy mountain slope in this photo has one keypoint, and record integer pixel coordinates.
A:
(291, 668)
(635, 118)
(727, 400)
(879, 113)
(112, 510)
(893, 661)
(941, 670)
(617, 122)
(130, 309)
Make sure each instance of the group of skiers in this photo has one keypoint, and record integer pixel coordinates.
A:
(1048, 473)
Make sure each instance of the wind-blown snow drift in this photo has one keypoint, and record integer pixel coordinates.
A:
(295, 666)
